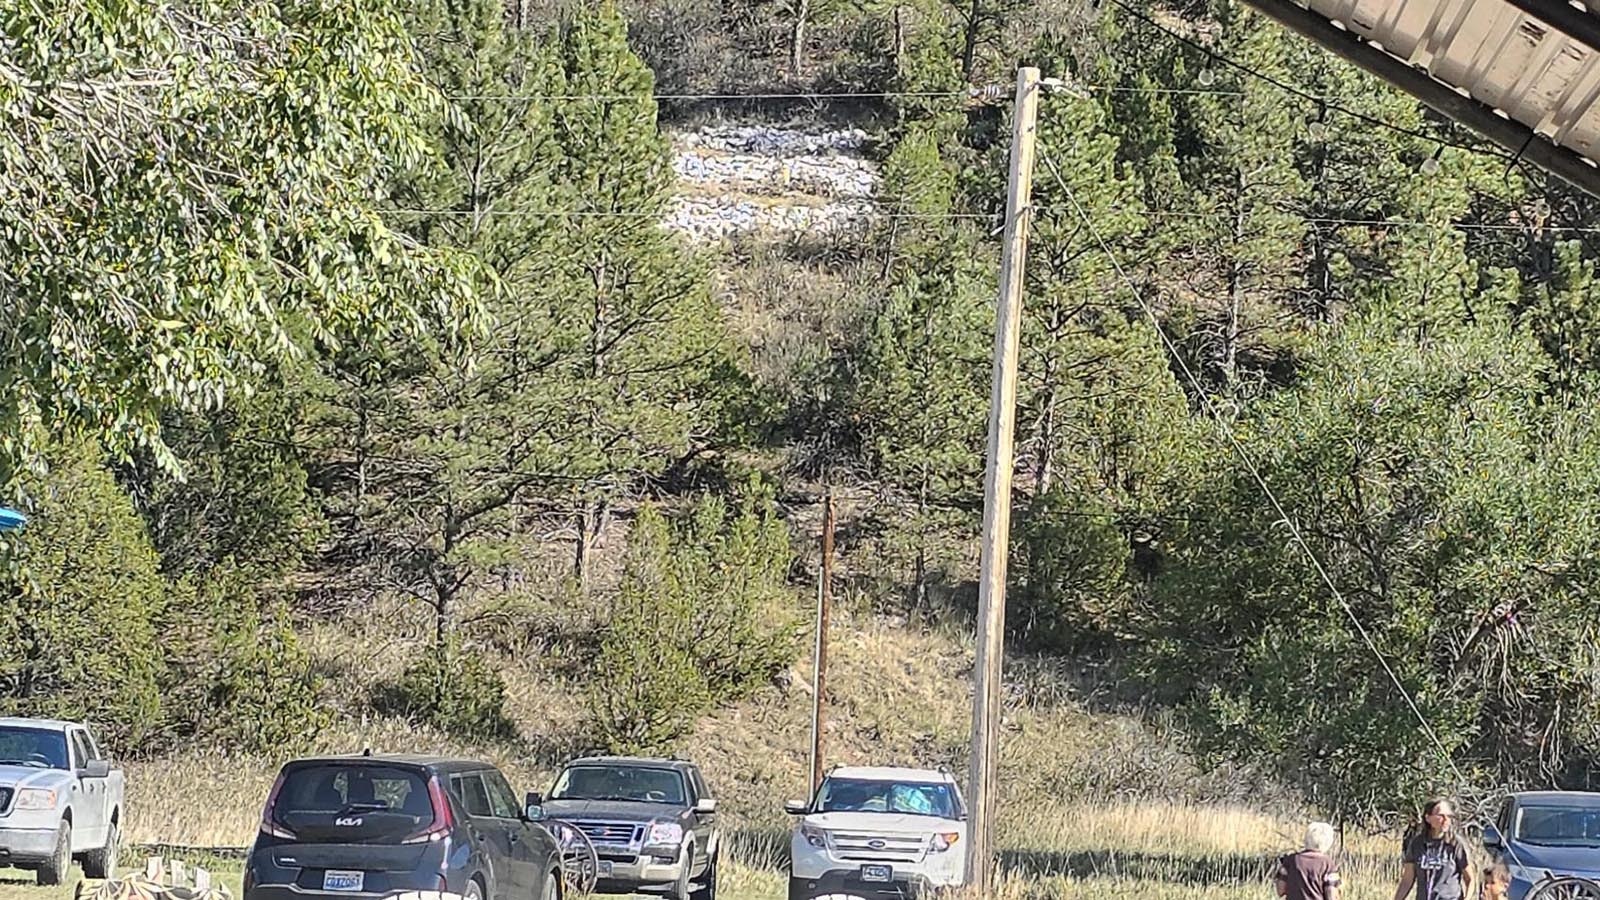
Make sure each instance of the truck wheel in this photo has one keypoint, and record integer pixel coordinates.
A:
(102, 863)
(798, 890)
(680, 891)
(708, 883)
(54, 870)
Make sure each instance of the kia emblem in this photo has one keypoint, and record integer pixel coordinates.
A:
(348, 823)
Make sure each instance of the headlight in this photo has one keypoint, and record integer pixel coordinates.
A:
(816, 837)
(944, 840)
(36, 798)
(664, 834)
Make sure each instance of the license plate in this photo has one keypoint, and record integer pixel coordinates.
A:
(343, 881)
(603, 868)
(877, 874)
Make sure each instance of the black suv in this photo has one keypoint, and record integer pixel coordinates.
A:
(373, 826)
(653, 823)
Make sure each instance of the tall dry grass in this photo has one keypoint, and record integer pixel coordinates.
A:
(1095, 803)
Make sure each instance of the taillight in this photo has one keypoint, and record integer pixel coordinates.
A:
(443, 821)
(268, 825)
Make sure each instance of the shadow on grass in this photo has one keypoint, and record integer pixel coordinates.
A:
(1236, 868)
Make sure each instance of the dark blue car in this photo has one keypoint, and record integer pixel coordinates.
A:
(1543, 834)
(368, 827)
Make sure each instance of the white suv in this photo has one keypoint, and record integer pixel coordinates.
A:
(878, 832)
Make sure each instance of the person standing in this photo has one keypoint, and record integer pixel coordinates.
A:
(1312, 873)
(1436, 865)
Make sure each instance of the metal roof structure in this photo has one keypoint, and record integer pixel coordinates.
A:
(1522, 73)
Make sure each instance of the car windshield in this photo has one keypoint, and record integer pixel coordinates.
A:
(342, 788)
(1560, 825)
(42, 748)
(876, 795)
(642, 784)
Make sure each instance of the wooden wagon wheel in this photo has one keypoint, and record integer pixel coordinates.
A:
(1565, 887)
(580, 862)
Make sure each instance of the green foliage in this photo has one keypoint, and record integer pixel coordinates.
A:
(81, 591)
(237, 676)
(186, 194)
(457, 691)
(244, 501)
(700, 619)
(1406, 460)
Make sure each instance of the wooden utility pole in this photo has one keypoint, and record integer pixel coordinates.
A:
(981, 788)
(819, 680)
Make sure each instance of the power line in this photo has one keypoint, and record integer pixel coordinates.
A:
(969, 93)
(1323, 102)
(1337, 221)
(1250, 465)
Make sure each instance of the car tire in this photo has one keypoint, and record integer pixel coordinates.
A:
(708, 882)
(798, 890)
(473, 890)
(552, 885)
(54, 870)
(681, 890)
(102, 863)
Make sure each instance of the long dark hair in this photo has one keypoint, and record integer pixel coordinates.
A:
(1421, 828)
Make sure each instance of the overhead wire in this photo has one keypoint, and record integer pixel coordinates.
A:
(1282, 85)
(1239, 450)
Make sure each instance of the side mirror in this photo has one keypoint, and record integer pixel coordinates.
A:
(533, 808)
(1492, 837)
(706, 805)
(797, 807)
(96, 768)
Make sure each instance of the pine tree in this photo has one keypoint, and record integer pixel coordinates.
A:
(643, 356)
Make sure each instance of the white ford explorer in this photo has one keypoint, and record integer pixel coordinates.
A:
(60, 800)
(878, 832)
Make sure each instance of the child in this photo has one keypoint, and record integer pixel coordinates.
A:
(1496, 883)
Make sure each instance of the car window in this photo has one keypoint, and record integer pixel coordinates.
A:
(701, 787)
(93, 745)
(80, 749)
(39, 747)
(502, 799)
(640, 784)
(882, 795)
(473, 795)
(335, 787)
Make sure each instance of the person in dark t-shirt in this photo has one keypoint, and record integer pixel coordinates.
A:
(1310, 874)
(1436, 865)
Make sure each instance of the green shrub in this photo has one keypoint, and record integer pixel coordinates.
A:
(237, 676)
(457, 692)
(81, 588)
(700, 619)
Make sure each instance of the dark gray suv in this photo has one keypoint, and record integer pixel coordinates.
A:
(653, 823)
(368, 827)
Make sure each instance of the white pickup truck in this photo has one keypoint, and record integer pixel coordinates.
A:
(60, 800)
(876, 832)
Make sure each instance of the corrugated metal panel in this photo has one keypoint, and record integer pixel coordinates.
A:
(1500, 56)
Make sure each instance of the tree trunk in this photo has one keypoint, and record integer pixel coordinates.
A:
(797, 36)
(591, 522)
(969, 50)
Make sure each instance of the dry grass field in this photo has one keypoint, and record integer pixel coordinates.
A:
(1098, 802)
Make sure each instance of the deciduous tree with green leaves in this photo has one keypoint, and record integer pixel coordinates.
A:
(188, 192)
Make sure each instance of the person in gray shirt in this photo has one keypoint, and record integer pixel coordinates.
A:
(1435, 865)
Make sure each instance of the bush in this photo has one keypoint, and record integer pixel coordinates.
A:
(457, 692)
(699, 620)
(81, 587)
(238, 677)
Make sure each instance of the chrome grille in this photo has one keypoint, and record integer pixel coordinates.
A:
(867, 847)
(613, 834)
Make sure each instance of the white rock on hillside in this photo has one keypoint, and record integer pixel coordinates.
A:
(772, 180)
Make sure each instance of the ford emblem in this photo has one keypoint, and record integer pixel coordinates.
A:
(876, 844)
